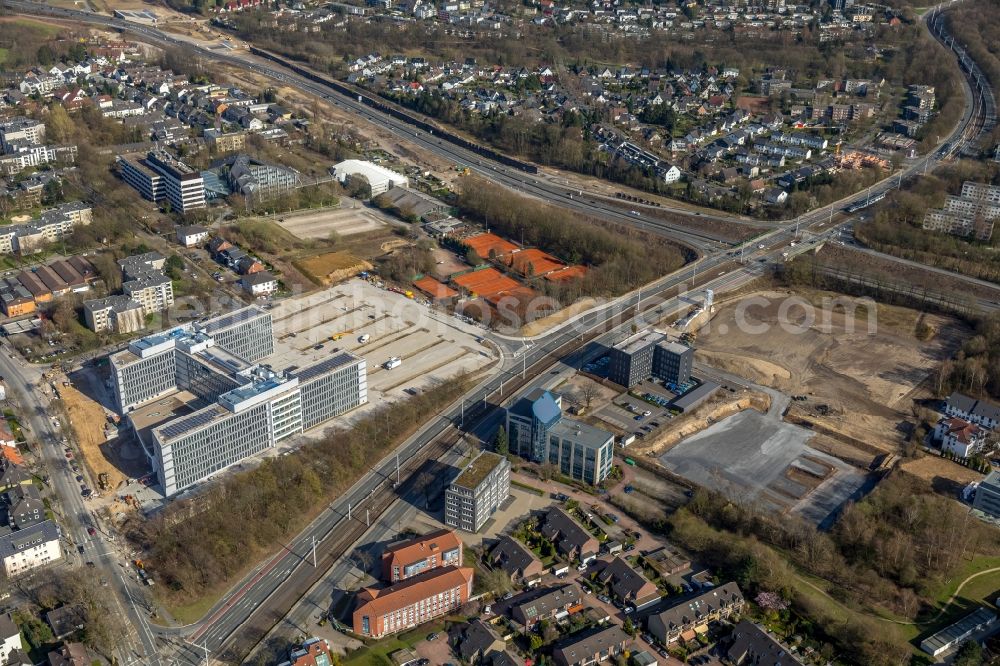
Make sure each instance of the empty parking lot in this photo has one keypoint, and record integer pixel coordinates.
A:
(377, 325)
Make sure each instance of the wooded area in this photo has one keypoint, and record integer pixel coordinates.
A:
(618, 256)
(892, 550)
(198, 547)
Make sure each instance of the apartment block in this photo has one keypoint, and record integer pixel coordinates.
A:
(51, 226)
(380, 612)
(406, 559)
(21, 129)
(153, 292)
(115, 314)
(478, 491)
(22, 550)
(226, 142)
(972, 214)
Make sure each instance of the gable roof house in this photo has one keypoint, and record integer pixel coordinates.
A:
(591, 647)
(553, 602)
(692, 617)
(478, 640)
(569, 537)
(627, 584)
(516, 561)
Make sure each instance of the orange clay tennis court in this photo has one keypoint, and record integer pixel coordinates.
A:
(483, 244)
(568, 273)
(533, 262)
(486, 282)
(434, 289)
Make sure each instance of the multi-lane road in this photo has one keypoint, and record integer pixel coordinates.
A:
(278, 583)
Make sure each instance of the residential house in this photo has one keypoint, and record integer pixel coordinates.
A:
(10, 637)
(516, 561)
(312, 652)
(258, 284)
(552, 603)
(692, 617)
(752, 645)
(570, 538)
(591, 646)
(959, 437)
(191, 235)
(70, 654)
(478, 640)
(980, 412)
(65, 621)
(628, 585)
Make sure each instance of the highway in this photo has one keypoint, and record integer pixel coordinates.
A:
(276, 585)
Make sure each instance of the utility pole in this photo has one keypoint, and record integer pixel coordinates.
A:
(368, 520)
(314, 551)
(348, 510)
(397, 468)
(205, 646)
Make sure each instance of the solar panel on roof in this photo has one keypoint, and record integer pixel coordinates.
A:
(313, 371)
(189, 423)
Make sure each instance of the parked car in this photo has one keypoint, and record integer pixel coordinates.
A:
(432, 636)
(603, 598)
(91, 531)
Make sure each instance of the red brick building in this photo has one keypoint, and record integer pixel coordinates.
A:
(402, 606)
(406, 559)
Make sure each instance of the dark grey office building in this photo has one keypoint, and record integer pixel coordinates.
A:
(672, 362)
(632, 359)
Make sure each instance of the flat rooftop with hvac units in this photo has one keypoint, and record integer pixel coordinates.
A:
(199, 400)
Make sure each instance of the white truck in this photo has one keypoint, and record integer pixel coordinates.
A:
(393, 362)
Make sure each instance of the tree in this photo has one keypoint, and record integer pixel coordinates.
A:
(174, 267)
(969, 654)
(502, 445)
(536, 642)
(628, 627)
(45, 55)
(59, 127)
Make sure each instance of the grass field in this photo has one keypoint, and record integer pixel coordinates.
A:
(378, 653)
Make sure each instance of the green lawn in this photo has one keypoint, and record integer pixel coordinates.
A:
(378, 653)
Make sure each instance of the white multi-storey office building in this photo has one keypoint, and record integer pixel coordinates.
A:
(199, 404)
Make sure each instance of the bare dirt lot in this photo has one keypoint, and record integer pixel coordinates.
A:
(344, 221)
(860, 377)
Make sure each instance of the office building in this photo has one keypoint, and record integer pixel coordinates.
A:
(245, 332)
(406, 604)
(406, 559)
(528, 422)
(538, 431)
(198, 406)
(256, 180)
(581, 451)
(114, 314)
(159, 176)
(988, 495)
(478, 491)
(631, 361)
(672, 362)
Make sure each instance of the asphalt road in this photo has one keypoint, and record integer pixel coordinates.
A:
(288, 568)
(138, 644)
